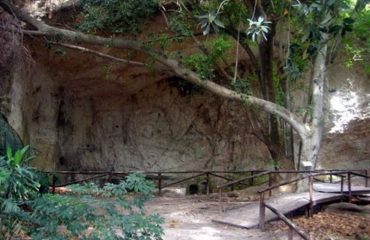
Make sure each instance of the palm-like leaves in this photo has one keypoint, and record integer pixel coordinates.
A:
(258, 28)
(17, 179)
(210, 21)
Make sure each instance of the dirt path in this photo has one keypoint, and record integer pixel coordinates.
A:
(190, 218)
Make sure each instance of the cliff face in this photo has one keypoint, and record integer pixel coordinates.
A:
(346, 143)
(81, 113)
(155, 129)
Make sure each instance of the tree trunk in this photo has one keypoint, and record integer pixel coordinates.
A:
(312, 141)
(311, 144)
(268, 90)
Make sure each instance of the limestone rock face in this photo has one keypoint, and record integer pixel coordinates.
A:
(346, 144)
(347, 150)
(82, 113)
(156, 128)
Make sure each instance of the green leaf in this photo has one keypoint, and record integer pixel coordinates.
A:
(9, 153)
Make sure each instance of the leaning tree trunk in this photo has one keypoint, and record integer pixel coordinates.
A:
(312, 140)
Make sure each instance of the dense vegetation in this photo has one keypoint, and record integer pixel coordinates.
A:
(114, 211)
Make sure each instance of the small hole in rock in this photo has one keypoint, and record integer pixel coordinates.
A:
(193, 189)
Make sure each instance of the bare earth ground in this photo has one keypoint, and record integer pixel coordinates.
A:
(190, 218)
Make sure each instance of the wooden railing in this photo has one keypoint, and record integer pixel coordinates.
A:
(160, 177)
(163, 179)
(310, 175)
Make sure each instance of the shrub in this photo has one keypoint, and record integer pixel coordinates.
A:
(114, 211)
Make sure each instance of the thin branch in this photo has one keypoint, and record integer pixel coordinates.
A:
(246, 47)
(165, 18)
(100, 54)
(237, 54)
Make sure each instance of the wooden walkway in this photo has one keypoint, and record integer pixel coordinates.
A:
(247, 216)
(335, 188)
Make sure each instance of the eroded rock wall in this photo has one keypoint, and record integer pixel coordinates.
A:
(346, 143)
(82, 119)
(156, 129)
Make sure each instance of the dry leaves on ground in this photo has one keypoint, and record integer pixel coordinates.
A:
(329, 225)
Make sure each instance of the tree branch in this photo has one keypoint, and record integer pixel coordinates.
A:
(246, 47)
(100, 54)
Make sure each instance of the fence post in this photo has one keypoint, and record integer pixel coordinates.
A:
(331, 176)
(262, 211)
(349, 186)
(221, 209)
(207, 183)
(110, 176)
(341, 184)
(270, 183)
(310, 189)
(290, 233)
(251, 181)
(159, 184)
(366, 179)
(54, 180)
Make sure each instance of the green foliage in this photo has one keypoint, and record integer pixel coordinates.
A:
(18, 181)
(181, 24)
(298, 60)
(235, 12)
(201, 64)
(210, 20)
(115, 211)
(115, 16)
(218, 47)
(241, 86)
(8, 136)
(357, 43)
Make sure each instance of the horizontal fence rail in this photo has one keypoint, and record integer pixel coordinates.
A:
(229, 182)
